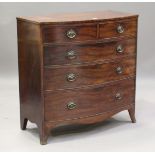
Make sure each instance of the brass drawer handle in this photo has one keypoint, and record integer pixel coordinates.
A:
(71, 34)
(71, 54)
(119, 70)
(71, 105)
(118, 96)
(120, 29)
(119, 49)
(71, 77)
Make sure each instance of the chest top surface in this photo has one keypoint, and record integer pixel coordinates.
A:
(75, 17)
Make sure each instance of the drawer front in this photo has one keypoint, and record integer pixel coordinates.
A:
(69, 33)
(78, 54)
(84, 75)
(77, 103)
(118, 29)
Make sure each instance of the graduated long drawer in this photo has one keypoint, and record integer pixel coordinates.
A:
(91, 74)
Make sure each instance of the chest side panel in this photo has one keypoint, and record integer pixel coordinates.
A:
(30, 70)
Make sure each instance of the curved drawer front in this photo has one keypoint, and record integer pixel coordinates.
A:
(69, 33)
(118, 28)
(66, 104)
(84, 75)
(86, 53)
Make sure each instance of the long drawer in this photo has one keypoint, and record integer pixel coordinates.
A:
(78, 103)
(84, 75)
(86, 53)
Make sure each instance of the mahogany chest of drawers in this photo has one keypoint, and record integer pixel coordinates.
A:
(76, 68)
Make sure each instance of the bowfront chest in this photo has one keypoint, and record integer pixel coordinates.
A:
(76, 68)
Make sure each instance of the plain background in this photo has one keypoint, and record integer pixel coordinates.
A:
(116, 134)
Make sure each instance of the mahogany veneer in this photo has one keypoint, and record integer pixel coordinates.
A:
(76, 68)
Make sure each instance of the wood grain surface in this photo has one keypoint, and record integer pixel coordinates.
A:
(92, 74)
(88, 53)
(89, 101)
(44, 66)
(78, 17)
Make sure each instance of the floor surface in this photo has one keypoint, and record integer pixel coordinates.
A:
(115, 134)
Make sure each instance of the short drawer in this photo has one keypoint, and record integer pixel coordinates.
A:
(78, 103)
(69, 33)
(86, 53)
(84, 75)
(118, 28)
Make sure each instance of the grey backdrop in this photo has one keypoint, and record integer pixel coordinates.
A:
(8, 34)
